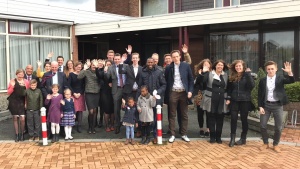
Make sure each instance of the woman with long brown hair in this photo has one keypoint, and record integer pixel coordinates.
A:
(198, 92)
(240, 86)
(69, 68)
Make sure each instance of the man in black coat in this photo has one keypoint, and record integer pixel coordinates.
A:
(271, 98)
(180, 86)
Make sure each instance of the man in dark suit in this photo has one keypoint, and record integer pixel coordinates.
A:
(132, 78)
(117, 74)
(271, 98)
(53, 77)
(180, 86)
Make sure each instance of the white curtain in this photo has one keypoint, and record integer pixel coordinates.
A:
(2, 26)
(3, 81)
(154, 7)
(51, 29)
(27, 50)
(20, 27)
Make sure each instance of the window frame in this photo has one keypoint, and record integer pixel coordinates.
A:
(215, 2)
(19, 33)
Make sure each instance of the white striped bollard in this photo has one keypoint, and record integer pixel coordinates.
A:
(159, 124)
(44, 126)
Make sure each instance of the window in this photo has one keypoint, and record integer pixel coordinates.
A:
(279, 47)
(230, 47)
(3, 81)
(19, 27)
(224, 3)
(154, 7)
(51, 29)
(2, 27)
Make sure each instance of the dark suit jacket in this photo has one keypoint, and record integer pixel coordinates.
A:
(186, 78)
(112, 74)
(279, 90)
(34, 77)
(47, 83)
(130, 78)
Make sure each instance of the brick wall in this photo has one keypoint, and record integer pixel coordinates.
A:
(120, 7)
(74, 44)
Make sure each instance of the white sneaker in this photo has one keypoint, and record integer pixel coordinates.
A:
(70, 138)
(172, 139)
(185, 138)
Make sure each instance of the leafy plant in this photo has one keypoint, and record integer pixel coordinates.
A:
(254, 93)
(293, 91)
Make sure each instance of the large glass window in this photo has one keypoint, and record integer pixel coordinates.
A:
(3, 81)
(230, 47)
(223, 3)
(27, 50)
(2, 27)
(19, 27)
(154, 7)
(51, 29)
(279, 47)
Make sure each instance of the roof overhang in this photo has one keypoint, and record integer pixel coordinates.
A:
(249, 12)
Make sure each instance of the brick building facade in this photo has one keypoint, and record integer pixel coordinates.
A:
(120, 7)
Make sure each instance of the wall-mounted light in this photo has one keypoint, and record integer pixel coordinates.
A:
(95, 37)
(118, 39)
(136, 34)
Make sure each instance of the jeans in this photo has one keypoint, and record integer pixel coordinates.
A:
(277, 111)
(129, 132)
(34, 122)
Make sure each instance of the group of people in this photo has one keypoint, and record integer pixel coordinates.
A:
(119, 82)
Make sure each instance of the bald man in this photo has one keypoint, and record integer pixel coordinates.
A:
(29, 74)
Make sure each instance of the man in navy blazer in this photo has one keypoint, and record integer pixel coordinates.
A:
(180, 86)
(271, 98)
(53, 77)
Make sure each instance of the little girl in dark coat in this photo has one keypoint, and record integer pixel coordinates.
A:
(129, 119)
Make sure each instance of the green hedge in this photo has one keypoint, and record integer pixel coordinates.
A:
(254, 93)
(293, 91)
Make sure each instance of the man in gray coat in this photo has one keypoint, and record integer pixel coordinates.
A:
(117, 74)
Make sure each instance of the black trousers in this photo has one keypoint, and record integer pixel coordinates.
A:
(243, 108)
(200, 115)
(215, 123)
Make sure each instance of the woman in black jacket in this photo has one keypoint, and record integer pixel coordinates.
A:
(240, 86)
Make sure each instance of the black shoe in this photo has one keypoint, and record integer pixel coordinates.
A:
(94, 131)
(117, 130)
(219, 141)
(17, 138)
(79, 129)
(53, 138)
(90, 131)
(212, 140)
(143, 140)
(232, 140)
(206, 134)
(100, 125)
(147, 141)
(21, 137)
(57, 138)
(202, 134)
(241, 142)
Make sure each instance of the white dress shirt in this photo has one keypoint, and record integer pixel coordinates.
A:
(270, 88)
(55, 79)
(177, 78)
(135, 70)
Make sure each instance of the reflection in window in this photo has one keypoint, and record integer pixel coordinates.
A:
(154, 7)
(2, 26)
(230, 47)
(3, 81)
(19, 27)
(279, 47)
(51, 29)
(27, 50)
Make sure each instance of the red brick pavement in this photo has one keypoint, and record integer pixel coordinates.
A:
(290, 135)
(196, 154)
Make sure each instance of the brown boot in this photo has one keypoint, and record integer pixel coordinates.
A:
(276, 149)
(264, 147)
(127, 141)
(132, 142)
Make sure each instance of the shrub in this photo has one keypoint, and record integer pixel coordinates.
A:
(254, 93)
(293, 91)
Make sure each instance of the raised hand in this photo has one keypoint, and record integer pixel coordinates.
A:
(124, 57)
(49, 96)
(88, 62)
(129, 49)
(39, 63)
(287, 67)
(248, 70)
(105, 68)
(85, 66)
(205, 69)
(95, 62)
(184, 48)
(200, 71)
(50, 55)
